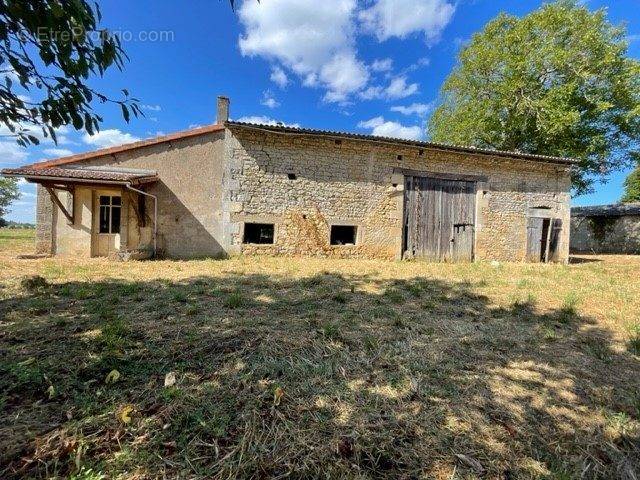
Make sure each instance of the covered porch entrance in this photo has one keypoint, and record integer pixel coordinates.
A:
(97, 211)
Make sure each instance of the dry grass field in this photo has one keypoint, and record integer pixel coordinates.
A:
(271, 367)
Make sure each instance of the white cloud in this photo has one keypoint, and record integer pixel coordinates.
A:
(57, 152)
(279, 77)
(108, 138)
(262, 120)
(397, 88)
(400, 18)
(419, 109)
(36, 131)
(269, 100)
(343, 75)
(152, 108)
(318, 47)
(381, 128)
(12, 154)
(382, 65)
(633, 38)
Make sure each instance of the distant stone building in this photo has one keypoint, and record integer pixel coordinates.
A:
(606, 229)
(238, 188)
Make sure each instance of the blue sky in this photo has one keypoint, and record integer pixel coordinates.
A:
(371, 67)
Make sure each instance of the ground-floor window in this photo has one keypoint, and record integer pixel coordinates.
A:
(258, 233)
(343, 234)
(110, 209)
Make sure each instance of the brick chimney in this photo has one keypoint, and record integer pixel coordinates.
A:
(223, 110)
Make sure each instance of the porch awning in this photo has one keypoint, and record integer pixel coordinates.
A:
(83, 175)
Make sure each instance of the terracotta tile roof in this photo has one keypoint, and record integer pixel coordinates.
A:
(83, 175)
(615, 210)
(401, 141)
(128, 146)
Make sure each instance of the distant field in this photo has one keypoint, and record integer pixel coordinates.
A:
(308, 368)
(17, 239)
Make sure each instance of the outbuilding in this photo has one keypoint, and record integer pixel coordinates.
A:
(606, 229)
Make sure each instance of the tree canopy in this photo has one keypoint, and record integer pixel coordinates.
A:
(8, 193)
(554, 82)
(632, 187)
(50, 49)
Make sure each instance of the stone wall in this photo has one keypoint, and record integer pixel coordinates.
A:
(304, 184)
(606, 234)
(45, 220)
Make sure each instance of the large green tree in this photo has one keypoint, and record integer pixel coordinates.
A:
(8, 193)
(557, 81)
(49, 49)
(632, 187)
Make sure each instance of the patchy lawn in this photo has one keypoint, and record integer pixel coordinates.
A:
(319, 368)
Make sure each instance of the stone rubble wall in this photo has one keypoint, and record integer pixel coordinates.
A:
(609, 234)
(357, 183)
(45, 221)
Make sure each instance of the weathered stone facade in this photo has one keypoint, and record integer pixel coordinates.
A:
(211, 186)
(45, 221)
(606, 229)
(304, 184)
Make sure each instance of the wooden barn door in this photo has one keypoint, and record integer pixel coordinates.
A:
(439, 218)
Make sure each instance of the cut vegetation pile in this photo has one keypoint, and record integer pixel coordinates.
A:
(259, 367)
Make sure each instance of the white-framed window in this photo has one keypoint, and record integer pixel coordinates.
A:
(110, 210)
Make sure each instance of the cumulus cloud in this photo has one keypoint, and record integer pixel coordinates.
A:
(397, 88)
(269, 100)
(152, 108)
(381, 128)
(419, 109)
(382, 65)
(279, 77)
(108, 138)
(319, 48)
(400, 18)
(57, 152)
(343, 75)
(263, 120)
(12, 154)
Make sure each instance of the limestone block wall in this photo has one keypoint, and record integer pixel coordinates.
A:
(607, 234)
(304, 184)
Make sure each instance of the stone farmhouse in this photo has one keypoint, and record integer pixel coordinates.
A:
(606, 229)
(239, 188)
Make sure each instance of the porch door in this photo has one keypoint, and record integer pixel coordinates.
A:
(439, 218)
(107, 215)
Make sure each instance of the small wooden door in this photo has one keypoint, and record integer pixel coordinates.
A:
(107, 223)
(543, 239)
(439, 218)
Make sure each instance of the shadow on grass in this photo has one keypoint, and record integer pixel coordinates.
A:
(333, 376)
(583, 258)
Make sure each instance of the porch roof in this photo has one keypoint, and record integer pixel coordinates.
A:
(83, 175)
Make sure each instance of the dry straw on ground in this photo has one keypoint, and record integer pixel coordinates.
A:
(318, 368)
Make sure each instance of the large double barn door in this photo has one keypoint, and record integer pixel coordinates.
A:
(439, 218)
